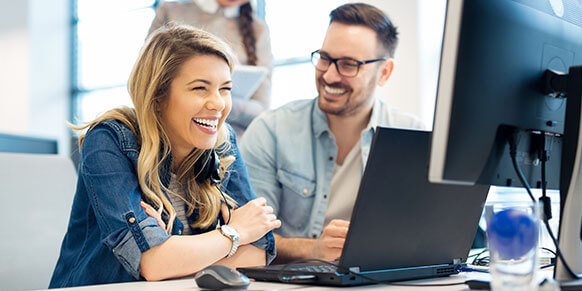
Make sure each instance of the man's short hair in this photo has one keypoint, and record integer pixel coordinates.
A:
(369, 16)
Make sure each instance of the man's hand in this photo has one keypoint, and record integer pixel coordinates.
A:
(331, 242)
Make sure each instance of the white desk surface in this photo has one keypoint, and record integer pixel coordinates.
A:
(189, 284)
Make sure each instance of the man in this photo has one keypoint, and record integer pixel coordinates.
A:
(307, 158)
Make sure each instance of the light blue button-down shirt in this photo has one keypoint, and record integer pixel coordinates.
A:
(290, 153)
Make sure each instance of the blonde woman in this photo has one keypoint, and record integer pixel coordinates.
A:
(162, 190)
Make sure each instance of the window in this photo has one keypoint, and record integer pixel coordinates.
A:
(292, 41)
(109, 35)
(107, 38)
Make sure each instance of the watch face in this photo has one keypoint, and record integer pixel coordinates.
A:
(229, 230)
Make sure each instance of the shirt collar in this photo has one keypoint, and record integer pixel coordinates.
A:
(375, 117)
(321, 126)
(212, 7)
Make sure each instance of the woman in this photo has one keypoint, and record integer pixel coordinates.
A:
(157, 157)
(233, 21)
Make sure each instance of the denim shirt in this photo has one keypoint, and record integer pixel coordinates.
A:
(290, 153)
(108, 230)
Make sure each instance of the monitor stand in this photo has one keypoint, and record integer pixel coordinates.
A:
(570, 232)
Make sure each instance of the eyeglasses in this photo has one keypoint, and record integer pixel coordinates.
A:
(346, 67)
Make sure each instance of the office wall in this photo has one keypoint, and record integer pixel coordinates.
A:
(14, 66)
(412, 87)
(34, 68)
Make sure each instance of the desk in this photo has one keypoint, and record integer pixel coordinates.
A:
(189, 284)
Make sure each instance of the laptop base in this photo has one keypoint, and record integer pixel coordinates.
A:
(280, 273)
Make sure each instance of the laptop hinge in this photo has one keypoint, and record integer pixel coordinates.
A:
(354, 269)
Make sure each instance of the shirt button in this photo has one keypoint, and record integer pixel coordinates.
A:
(179, 231)
(329, 135)
(314, 235)
(324, 196)
(131, 220)
(330, 158)
(304, 191)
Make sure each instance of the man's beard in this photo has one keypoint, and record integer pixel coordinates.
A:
(348, 108)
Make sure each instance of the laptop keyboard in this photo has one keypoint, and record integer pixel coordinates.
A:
(314, 268)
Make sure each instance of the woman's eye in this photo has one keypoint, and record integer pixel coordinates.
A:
(226, 89)
(198, 88)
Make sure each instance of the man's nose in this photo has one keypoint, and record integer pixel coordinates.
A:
(332, 75)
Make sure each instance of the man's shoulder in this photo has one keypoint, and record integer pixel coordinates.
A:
(289, 121)
(394, 117)
(290, 111)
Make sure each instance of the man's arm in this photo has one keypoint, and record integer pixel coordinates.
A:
(327, 247)
(258, 150)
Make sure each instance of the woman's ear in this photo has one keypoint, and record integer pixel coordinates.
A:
(158, 104)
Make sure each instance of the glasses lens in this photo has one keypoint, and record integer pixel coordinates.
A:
(348, 68)
(319, 62)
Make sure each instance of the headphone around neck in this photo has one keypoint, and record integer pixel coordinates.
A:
(208, 167)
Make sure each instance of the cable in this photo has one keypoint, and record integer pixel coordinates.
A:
(513, 154)
(344, 270)
(549, 250)
(546, 202)
(477, 261)
(469, 269)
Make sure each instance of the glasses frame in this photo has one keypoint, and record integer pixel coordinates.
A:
(334, 61)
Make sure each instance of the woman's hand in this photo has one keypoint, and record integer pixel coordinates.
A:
(252, 221)
(153, 213)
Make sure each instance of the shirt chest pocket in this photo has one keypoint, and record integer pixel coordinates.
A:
(297, 199)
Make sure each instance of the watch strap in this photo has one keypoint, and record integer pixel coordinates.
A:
(233, 238)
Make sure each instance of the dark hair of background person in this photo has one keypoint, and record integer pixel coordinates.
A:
(245, 26)
(369, 16)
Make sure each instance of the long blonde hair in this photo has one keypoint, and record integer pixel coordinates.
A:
(149, 85)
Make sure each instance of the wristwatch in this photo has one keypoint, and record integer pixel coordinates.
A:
(233, 235)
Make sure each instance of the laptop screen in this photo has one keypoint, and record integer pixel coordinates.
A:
(400, 219)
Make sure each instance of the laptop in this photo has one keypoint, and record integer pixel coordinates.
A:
(402, 227)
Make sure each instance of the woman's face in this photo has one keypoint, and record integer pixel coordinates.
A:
(231, 3)
(197, 104)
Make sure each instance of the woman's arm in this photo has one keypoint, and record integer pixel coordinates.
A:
(245, 256)
(179, 256)
(182, 255)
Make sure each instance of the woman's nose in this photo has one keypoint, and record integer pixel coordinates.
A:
(215, 102)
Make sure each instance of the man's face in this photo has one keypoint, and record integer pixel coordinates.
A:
(345, 96)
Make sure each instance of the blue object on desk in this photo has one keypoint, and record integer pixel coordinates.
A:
(512, 233)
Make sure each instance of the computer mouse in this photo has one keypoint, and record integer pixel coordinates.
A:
(219, 277)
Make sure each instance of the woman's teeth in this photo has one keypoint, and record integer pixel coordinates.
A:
(209, 123)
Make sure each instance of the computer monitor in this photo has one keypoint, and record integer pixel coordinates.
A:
(497, 96)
